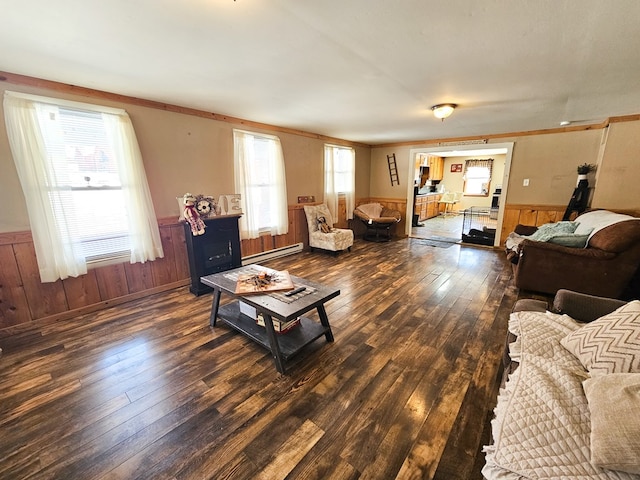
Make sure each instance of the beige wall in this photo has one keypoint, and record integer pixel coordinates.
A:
(183, 153)
(549, 161)
(380, 184)
(618, 177)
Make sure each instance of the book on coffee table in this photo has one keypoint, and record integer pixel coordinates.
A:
(264, 281)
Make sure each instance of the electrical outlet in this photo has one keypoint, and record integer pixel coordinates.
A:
(525, 182)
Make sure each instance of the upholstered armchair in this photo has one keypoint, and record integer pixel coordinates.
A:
(334, 240)
(378, 220)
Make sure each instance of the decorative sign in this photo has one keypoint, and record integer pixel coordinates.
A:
(456, 167)
(208, 207)
(230, 204)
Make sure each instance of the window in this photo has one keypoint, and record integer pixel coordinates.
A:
(260, 179)
(477, 177)
(339, 178)
(82, 176)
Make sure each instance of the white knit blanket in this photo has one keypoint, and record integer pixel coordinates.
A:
(541, 426)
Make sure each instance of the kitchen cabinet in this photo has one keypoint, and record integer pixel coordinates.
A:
(436, 168)
(426, 206)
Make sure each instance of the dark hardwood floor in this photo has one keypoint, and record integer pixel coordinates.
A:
(148, 390)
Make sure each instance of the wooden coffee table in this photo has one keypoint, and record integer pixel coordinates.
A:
(273, 305)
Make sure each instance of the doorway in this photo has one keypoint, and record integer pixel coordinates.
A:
(451, 226)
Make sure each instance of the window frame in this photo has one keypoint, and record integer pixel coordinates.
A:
(472, 164)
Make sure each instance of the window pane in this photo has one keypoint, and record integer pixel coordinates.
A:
(262, 183)
(477, 181)
(343, 170)
(94, 211)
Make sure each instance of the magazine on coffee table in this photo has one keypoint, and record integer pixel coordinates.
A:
(255, 281)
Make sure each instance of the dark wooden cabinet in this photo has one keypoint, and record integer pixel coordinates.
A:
(215, 251)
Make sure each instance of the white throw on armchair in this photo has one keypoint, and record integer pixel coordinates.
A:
(337, 239)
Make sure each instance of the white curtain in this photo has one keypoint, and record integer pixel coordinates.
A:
(144, 236)
(339, 178)
(46, 188)
(260, 179)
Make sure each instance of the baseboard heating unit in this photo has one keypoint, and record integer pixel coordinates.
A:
(270, 254)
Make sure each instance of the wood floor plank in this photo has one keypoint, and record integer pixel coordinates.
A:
(148, 389)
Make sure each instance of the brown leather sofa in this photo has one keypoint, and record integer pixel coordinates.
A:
(605, 267)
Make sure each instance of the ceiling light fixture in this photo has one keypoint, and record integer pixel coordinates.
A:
(443, 110)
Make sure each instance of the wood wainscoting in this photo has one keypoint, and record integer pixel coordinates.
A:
(537, 215)
(24, 298)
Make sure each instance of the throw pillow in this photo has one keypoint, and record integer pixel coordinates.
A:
(614, 403)
(572, 240)
(610, 344)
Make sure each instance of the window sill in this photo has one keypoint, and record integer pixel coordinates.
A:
(105, 262)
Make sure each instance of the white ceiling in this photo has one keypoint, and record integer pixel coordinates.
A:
(362, 70)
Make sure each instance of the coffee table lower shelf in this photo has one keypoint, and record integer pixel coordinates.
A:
(289, 343)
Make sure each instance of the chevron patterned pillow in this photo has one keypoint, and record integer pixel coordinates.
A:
(610, 344)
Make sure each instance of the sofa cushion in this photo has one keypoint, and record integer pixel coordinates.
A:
(610, 344)
(614, 403)
(372, 210)
(617, 237)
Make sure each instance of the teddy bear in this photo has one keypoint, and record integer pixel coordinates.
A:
(191, 215)
(323, 226)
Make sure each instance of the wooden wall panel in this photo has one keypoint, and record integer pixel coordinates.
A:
(14, 308)
(9, 274)
(546, 216)
(180, 251)
(164, 269)
(509, 222)
(44, 298)
(81, 291)
(535, 215)
(528, 217)
(301, 229)
(139, 276)
(251, 246)
(284, 240)
(112, 281)
(268, 242)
